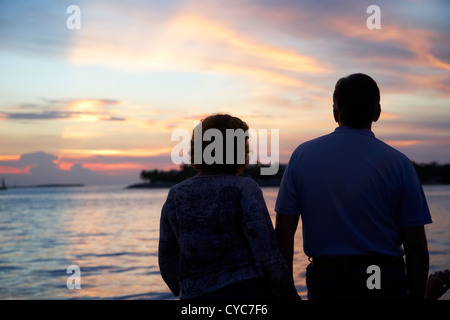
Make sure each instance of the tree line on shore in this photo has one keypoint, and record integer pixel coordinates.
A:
(429, 173)
(433, 173)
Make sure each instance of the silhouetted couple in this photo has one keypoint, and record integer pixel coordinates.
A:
(361, 203)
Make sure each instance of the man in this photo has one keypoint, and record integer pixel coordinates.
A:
(360, 200)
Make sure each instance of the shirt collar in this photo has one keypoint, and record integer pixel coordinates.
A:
(345, 129)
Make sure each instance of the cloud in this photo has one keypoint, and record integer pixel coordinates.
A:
(49, 115)
(208, 43)
(401, 54)
(43, 168)
(274, 63)
(411, 50)
(36, 115)
(77, 110)
(38, 159)
(116, 162)
(93, 168)
(71, 134)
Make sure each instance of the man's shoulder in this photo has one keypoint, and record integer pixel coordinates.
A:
(329, 142)
(318, 142)
(392, 152)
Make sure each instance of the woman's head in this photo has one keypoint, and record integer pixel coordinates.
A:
(224, 148)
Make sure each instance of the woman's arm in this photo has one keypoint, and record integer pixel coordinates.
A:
(168, 252)
(262, 240)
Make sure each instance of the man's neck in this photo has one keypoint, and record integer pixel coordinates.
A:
(368, 127)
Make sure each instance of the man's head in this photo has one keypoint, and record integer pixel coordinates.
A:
(356, 101)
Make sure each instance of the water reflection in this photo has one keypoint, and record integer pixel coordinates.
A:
(300, 259)
(114, 238)
(112, 235)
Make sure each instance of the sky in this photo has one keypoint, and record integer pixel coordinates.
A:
(98, 104)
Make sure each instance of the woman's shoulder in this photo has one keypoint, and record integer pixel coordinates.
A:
(240, 182)
(181, 186)
(247, 182)
(214, 182)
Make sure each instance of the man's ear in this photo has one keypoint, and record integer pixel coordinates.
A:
(377, 114)
(336, 115)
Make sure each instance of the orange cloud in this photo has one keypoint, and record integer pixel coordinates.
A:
(417, 41)
(402, 143)
(113, 168)
(208, 45)
(13, 170)
(79, 110)
(116, 152)
(66, 166)
(388, 115)
(90, 109)
(86, 105)
(79, 135)
(13, 157)
(190, 26)
(7, 169)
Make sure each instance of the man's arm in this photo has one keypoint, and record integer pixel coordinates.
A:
(285, 227)
(417, 260)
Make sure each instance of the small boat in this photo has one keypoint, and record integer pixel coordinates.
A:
(3, 186)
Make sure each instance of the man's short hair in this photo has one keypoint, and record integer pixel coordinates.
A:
(357, 99)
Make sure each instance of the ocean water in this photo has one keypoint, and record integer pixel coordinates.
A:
(111, 234)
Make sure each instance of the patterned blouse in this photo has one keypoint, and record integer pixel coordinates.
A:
(214, 231)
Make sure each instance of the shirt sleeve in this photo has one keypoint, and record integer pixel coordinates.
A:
(262, 240)
(413, 207)
(168, 251)
(288, 201)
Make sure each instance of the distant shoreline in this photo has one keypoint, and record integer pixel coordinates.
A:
(154, 185)
(169, 184)
(53, 185)
(261, 183)
(428, 173)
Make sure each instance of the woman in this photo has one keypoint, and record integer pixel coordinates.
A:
(216, 237)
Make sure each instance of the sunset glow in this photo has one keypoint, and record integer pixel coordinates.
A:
(98, 104)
